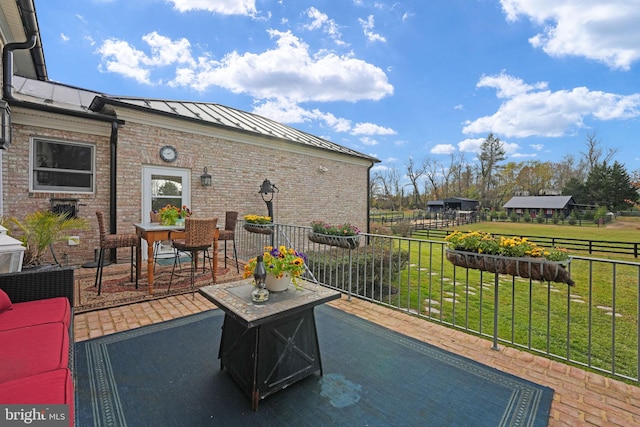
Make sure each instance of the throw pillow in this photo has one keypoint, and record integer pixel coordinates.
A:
(5, 301)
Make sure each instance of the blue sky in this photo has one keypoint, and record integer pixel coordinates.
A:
(425, 79)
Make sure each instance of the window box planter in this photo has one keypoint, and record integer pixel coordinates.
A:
(533, 268)
(259, 228)
(346, 242)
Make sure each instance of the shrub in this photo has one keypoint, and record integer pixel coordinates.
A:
(402, 228)
(601, 212)
(373, 268)
(377, 228)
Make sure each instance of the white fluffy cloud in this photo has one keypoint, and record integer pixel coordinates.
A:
(120, 57)
(223, 7)
(534, 110)
(604, 31)
(367, 26)
(320, 21)
(442, 149)
(287, 111)
(287, 71)
(371, 129)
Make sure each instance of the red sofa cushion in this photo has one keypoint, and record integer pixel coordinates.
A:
(5, 301)
(53, 387)
(32, 350)
(30, 313)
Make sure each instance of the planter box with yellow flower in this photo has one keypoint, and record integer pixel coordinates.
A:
(258, 224)
(284, 266)
(508, 255)
(345, 236)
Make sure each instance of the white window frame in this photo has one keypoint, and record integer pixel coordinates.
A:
(34, 168)
(148, 172)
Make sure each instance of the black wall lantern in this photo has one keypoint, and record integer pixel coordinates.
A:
(266, 191)
(205, 178)
(5, 124)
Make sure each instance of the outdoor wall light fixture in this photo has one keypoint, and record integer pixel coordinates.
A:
(266, 191)
(205, 178)
(5, 125)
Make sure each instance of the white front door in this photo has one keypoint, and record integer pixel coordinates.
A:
(163, 186)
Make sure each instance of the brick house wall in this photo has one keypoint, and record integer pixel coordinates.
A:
(238, 163)
(313, 183)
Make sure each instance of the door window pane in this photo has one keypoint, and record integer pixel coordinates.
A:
(165, 190)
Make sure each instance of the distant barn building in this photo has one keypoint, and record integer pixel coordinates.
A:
(548, 204)
(452, 204)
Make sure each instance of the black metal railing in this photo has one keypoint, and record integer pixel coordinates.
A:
(592, 324)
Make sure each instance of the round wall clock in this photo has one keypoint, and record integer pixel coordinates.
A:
(168, 153)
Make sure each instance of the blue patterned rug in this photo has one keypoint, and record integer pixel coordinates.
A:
(168, 374)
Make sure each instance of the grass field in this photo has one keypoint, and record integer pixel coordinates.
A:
(594, 323)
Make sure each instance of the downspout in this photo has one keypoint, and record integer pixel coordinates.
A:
(369, 199)
(7, 64)
(113, 154)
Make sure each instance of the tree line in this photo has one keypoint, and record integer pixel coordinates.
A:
(593, 178)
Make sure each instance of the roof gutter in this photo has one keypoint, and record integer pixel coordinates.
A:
(30, 23)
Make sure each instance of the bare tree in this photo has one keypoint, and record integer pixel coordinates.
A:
(564, 171)
(430, 167)
(394, 177)
(458, 183)
(594, 155)
(387, 184)
(414, 174)
(449, 172)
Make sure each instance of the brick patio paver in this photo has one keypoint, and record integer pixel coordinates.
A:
(581, 398)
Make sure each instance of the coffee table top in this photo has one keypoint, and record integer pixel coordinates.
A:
(235, 299)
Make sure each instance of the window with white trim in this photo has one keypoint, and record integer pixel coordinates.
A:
(62, 166)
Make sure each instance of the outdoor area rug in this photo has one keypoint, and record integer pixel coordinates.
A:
(117, 289)
(168, 374)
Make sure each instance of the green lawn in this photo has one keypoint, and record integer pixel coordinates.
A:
(574, 322)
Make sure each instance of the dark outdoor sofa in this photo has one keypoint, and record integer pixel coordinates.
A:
(36, 338)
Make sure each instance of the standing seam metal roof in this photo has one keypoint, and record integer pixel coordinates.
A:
(81, 100)
(539, 202)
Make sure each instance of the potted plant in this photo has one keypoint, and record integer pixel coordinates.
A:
(516, 256)
(284, 265)
(342, 235)
(40, 230)
(258, 224)
(173, 215)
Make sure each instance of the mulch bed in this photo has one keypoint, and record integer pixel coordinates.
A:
(117, 289)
